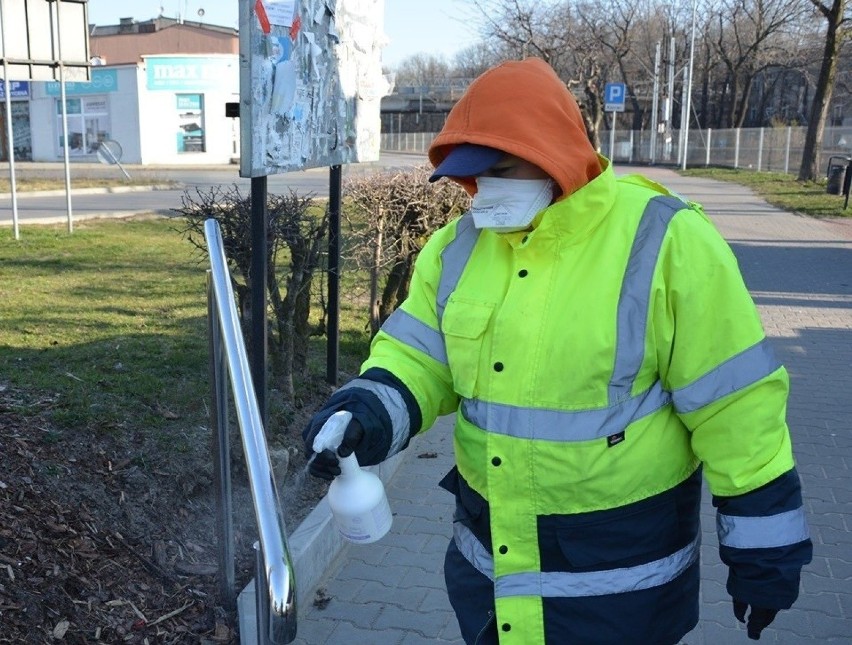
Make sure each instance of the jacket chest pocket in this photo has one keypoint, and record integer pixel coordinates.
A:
(464, 324)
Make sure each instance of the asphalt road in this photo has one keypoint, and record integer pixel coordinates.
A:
(89, 203)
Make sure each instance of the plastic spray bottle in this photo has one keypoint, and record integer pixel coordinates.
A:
(357, 497)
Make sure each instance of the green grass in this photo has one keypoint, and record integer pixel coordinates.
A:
(781, 190)
(109, 325)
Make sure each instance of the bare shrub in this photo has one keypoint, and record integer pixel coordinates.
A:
(296, 231)
(390, 217)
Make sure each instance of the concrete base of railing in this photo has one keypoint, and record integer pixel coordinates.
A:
(314, 546)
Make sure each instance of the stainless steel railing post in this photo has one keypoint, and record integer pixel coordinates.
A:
(221, 449)
(275, 581)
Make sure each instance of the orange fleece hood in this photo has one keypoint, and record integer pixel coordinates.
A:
(523, 108)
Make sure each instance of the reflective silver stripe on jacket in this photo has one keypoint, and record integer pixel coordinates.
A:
(563, 584)
(393, 402)
(782, 529)
(747, 367)
(473, 551)
(454, 259)
(409, 330)
(564, 425)
(635, 297)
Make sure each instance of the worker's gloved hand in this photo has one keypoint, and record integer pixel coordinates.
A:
(758, 619)
(325, 464)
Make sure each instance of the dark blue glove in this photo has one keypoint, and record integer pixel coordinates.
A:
(758, 619)
(325, 464)
(368, 434)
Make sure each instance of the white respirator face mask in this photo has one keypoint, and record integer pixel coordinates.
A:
(509, 205)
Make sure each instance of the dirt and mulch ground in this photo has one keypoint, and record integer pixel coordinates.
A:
(111, 539)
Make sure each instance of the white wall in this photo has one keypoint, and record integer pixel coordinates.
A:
(144, 121)
(159, 124)
(124, 115)
(42, 124)
(159, 121)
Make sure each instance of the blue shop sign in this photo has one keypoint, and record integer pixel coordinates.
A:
(185, 73)
(17, 89)
(103, 80)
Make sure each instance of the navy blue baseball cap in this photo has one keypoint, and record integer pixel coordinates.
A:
(467, 160)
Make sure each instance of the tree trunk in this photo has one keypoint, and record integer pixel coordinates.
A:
(393, 285)
(742, 106)
(375, 314)
(809, 170)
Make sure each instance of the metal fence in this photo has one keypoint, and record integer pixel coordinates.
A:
(763, 149)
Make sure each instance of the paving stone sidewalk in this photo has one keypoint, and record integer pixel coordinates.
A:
(799, 271)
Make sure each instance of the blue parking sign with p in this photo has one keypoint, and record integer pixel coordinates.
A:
(614, 97)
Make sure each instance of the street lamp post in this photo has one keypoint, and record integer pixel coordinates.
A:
(685, 125)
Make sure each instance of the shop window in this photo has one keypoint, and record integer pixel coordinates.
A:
(20, 131)
(88, 124)
(190, 134)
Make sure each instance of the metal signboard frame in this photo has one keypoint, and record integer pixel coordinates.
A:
(43, 40)
(39, 37)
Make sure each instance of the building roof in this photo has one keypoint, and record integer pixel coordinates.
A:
(131, 26)
(128, 41)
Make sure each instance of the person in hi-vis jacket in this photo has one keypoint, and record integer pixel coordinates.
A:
(595, 340)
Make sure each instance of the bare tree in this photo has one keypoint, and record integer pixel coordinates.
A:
(747, 40)
(475, 59)
(422, 70)
(837, 30)
(557, 33)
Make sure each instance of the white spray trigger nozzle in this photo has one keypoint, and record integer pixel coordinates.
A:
(330, 435)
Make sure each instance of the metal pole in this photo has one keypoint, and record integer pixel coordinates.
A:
(655, 105)
(10, 135)
(760, 151)
(737, 149)
(221, 450)
(10, 138)
(689, 86)
(334, 203)
(612, 137)
(670, 101)
(630, 154)
(787, 151)
(261, 598)
(64, 120)
(707, 152)
(684, 123)
(259, 226)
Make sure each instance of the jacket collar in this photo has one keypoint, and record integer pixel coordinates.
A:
(571, 219)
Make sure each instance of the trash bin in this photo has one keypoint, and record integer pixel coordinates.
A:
(838, 168)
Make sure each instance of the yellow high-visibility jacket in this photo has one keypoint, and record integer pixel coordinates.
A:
(594, 363)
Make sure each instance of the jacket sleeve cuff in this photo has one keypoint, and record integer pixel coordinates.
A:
(763, 538)
(366, 409)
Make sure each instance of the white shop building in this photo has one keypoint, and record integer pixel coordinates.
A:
(166, 110)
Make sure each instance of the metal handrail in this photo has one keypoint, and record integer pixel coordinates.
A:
(277, 606)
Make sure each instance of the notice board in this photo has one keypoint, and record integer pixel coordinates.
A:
(311, 83)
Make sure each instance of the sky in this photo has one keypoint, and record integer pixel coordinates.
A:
(436, 27)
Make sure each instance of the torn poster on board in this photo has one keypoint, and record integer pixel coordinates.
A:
(311, 91)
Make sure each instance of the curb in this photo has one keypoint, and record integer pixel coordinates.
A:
(92, 191)
(314, 547)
